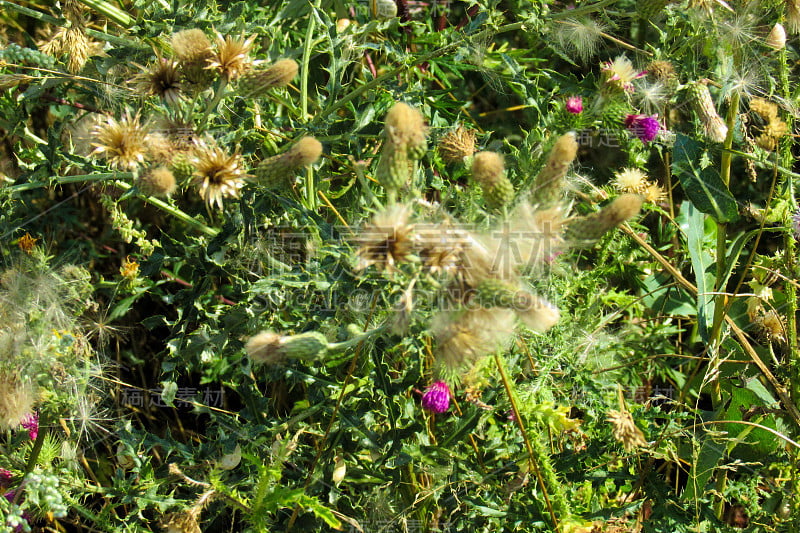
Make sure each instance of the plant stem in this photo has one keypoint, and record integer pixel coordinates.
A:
(310, 191)
(222, 84)
(538, 458)
(340, 346)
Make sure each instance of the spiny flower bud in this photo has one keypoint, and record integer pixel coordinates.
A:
(488, 170)
(614, 114)
(394, 168)
(700, 98)
(586, 231)
(276, 171)
(182, 168)
(269, 347)
(256, 83)
(548, 186)
(457, 144)
(193, 50)
(405, 130)
(159, 181)
(777, 37)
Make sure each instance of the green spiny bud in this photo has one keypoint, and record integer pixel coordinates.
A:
(394, 168)
(488, 170)
(269, 347)
(277, 172)
(614, 114)
(182, 168)
(255, 83)
(306, 346)
(586, 231)
(700, 98)
(548, 187)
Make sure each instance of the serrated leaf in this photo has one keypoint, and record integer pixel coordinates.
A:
(703, 186)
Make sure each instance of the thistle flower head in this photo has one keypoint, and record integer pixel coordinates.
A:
(631, 180)
(574, 105)
(276, 172)
(161, 79)
(123, 143)
(653, 193)
(620, 73)
(625, 431)
(256, 83)
(777, 37)
(269, 347)
(159, 181)
(191, 46)
(16, 400)
(387, 240)
(405, 129)
(644, 127)
(437, 397)
(462, 337)
(457, 144)
(30, 422)
(663, 71)
(488, 168)
(548, 187)
(232, 56)
(217, 174)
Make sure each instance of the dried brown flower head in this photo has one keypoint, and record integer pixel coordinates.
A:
(457, 144)
(162, 79)
(625, 431)
(123, 143)
(217, 174)
(191, 46)
(159, 181)
(26, 243)
(462, 337)
(387, 240)
(232, 56)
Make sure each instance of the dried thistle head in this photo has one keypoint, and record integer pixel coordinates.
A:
(232, 56)
(77, 46)
(387, 240)
(770, 327)
(653, 193)
(457, 144)
(269, 347)
(161, 79)
(182, 522)
(440, 247)
(159, 181)
(625, 430)
(462, 337)
(586, 231)
(217, 174)
(123, 143)
(793, 15)
(191, 46)
(777, 37)
(631, 180)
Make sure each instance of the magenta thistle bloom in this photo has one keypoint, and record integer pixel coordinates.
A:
(31, 423)
(5, 477)
(574, 105)
(644, 127)
(437, 397)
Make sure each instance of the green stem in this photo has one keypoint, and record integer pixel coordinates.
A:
(111, 12)
(310, 190)
(538, 458)
(720, 299)
(222, 84)
(38, 15)
(341, 346)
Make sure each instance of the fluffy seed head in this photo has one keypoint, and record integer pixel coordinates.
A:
(387, 240)
(16, 400)
(663, 71)
(631, 180)
(232, 56)
(305, 152)
(536, 313)
(122, 143)
(581, 36)
(159, 181)
(619, 74)
(265, 348)
(77, 46)
(217, 174)
(463, 337)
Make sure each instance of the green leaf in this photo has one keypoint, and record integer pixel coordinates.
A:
(703, 186)
(168, 392)
(702, 264)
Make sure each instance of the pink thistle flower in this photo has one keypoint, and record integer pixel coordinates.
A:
(5, 477)
(644, 127)
(437, 397)
(31, 423)
(575, 105)
(620, 73)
